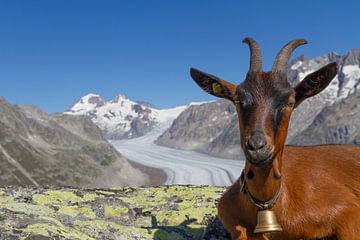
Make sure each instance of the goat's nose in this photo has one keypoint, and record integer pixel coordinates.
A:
(256, 142)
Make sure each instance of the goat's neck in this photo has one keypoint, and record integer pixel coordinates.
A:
(263, 183)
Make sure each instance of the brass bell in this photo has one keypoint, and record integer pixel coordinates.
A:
(266, 222)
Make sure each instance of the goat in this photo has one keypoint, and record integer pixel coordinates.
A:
(315, 191)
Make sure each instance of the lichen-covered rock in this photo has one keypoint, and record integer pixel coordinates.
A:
(168, 212)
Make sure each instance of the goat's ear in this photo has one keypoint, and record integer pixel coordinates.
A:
(213, 85)
(315, 82)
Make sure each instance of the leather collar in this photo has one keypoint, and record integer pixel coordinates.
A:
(262, 205)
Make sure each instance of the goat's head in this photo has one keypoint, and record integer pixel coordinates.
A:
(265, 100)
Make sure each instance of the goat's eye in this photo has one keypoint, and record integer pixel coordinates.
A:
(243, 103)
(290, 104)
(236, 101)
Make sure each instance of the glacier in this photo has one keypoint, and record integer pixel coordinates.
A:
(180, 166)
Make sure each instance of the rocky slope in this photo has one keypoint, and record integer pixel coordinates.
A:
(213, 134)
(338, 123)
(161, 213)
(201, 128)
(38, 149)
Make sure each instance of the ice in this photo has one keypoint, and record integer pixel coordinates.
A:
(181, 167)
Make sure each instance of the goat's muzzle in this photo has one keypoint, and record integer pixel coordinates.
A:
(257, 150)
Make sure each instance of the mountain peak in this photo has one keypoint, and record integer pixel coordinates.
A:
(352, 57)
(87, 103)
(121, 117)
(92, 98)
(119, 97)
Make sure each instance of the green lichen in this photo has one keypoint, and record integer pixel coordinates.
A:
(5, 200)
(114, 211)
(57, 232)
(96, 228)
(177, 217)
(100, 225)
(52, 220)
(29, 208)
(56, 198)
(163, 213)
(135, 232)
(91, 197)
(74, 211)
(146, 197)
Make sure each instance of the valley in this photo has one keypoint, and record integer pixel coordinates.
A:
(180, 166)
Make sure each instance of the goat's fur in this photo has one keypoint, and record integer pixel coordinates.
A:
(321, 185)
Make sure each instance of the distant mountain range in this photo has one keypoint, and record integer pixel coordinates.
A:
(330, 117)
(69, 149)
(122, 118)
(59, 149)
(212, 127)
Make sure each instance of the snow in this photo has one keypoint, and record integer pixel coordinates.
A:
(116, 116)
(84, 105)
(200, 103)
(181, 167)
(352, 74)
(296, 65)
(165, 115)
(302, 75)
(113, 116)
(116, 113)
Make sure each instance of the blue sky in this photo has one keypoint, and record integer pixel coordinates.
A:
(54, 52)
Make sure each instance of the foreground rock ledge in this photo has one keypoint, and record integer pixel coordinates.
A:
(168, 212)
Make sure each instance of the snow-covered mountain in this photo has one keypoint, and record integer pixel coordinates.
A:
(345, 83)
(204, 128)
(122, 118)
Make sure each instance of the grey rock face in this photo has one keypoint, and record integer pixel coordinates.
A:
(211, 128)
(345, 83)
(41, 149)
(188, 131)
(98, 101)
(198, 125)
(336, 124)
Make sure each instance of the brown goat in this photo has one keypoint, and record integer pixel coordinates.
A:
(317, 188)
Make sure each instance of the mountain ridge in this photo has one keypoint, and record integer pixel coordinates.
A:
(122, 118)
(226, 141)
(59, 149)
(204, 127)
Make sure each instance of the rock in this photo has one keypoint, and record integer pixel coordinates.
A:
(335, 124)
(162, 213)
(59, 149)
(201, 128)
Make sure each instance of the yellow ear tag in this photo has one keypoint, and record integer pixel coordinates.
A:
(216, 87)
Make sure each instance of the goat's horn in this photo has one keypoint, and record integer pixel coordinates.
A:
(281, 61)
(255, 55)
